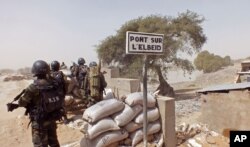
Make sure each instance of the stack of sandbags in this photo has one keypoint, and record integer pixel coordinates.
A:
(102, 130)
(135, 127)
(113, 121)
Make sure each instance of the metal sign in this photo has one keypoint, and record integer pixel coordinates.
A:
(144, 43)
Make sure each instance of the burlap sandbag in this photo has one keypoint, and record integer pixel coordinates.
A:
(153, 115)
(137, 136)
(103, 125)
(137, 98)
(108, 94)
(127, 114)
(132, 126)
(102, 109)
(105, 139)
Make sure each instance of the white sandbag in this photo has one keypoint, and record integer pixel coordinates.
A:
(137, 136)
(109, 94)
(132, 126)
(104, 139)
(103, 125)
(102, 109)
(127, 114)
(153, 115)
(137, 98)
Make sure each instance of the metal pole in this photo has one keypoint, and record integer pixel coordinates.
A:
(145, 103)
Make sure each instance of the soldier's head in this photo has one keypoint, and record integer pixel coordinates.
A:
(81, 61)
(92, 64)
(55, 65)
(40, 69)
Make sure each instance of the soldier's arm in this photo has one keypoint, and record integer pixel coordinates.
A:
(103, 81)
(30, 92)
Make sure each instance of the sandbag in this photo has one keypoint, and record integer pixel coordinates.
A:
(104, 139)
(102, 109)
(108, 95)
(103, 125)
(127, 114)
(137, 98)
(153, 115)
(137, 136)
(132, 126)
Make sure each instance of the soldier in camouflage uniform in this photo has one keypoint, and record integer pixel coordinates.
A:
(79, 72)
(95, 82)
(61, 79)
(58, 75)
(44, 101)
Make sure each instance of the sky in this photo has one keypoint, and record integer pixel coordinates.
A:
(65, 30)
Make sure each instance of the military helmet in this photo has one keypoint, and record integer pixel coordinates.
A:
(55, 65)
(81, 61)
(40, 67)
(93, 63)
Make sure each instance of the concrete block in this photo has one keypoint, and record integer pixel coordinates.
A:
(167, 113)
(111, 72)
(123, 86)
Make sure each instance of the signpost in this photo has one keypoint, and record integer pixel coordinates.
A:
(146, 44)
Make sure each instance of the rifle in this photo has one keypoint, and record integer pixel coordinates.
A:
(11, 106)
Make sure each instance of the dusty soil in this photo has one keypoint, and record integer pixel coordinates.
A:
(14, 131)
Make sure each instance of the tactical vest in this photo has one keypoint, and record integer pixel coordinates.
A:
(51, 101)
(94, 82)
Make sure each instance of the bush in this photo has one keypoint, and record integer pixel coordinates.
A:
(208, 62)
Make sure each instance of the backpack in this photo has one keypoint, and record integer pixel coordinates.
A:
(52, 96)
(94, 82)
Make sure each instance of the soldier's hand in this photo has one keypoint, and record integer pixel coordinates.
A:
(11, 107)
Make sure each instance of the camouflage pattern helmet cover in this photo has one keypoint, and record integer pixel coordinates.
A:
(55, 65)
(40, 67)
(81, 61)
(93, 63)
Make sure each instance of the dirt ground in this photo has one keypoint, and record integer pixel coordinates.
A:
(14, 131)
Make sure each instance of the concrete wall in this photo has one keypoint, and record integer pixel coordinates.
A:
(226, 111)
(120, 86)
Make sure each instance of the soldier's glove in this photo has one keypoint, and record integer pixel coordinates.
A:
(11, 107)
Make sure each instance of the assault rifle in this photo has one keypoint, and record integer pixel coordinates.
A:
(11, 106)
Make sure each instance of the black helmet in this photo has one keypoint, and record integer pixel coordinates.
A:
(40, 67)
(81, 61)
(93, 63)
(55, 65)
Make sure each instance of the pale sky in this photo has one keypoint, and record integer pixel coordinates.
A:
(65, 30)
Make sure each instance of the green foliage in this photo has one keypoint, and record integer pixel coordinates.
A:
(182, 34)
(208, 62)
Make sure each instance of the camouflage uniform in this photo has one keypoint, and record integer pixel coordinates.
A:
(101, 87)
(43, 130)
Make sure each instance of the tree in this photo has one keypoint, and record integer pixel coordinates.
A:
(208, 62)
(182, 34)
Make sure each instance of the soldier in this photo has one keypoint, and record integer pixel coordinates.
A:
(44, 101)
(61, 79)
(79, 72)
(58, 75)
(96, 82)
(63, 66)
